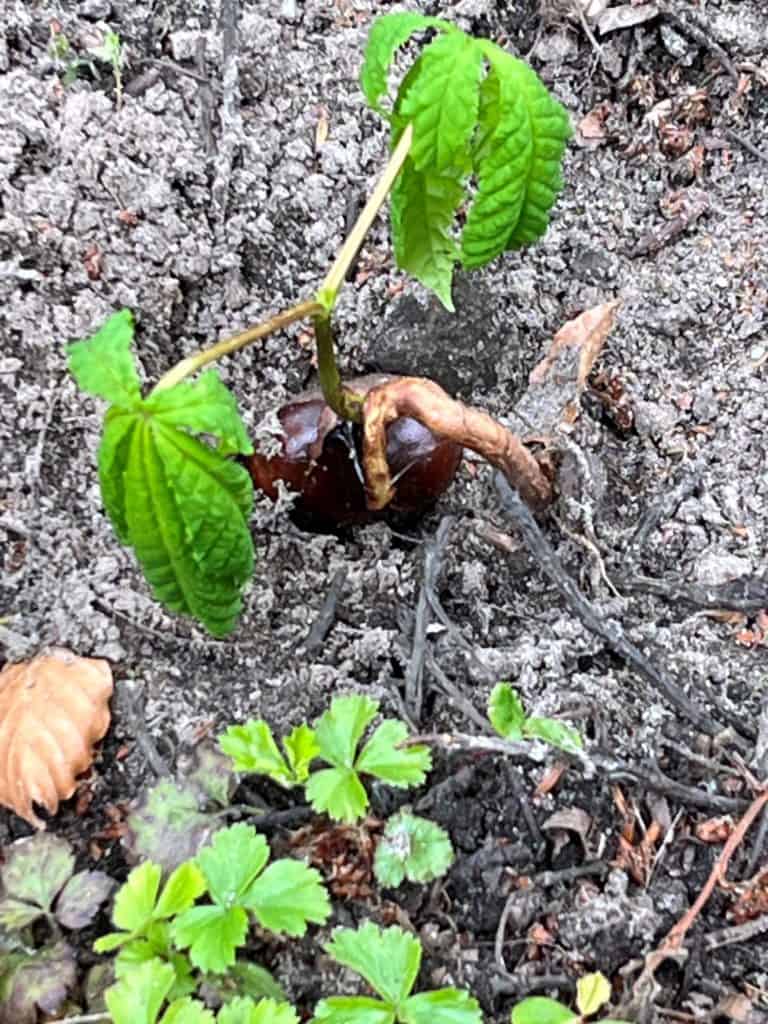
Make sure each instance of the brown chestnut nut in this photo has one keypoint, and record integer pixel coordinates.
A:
(321, 460)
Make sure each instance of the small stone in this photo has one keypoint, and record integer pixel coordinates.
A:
(677, 46)
(95, 10)
(289, 11)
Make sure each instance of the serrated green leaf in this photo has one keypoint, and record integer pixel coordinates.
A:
(506, 712)
(530, 122)
(443, 110)
(203, 406)
(412, 848)
(252, 980)
(349, 1009)
(137, 998)
(157, 945)
(301, 748)
(233, 860)
(542, 1010)
(402, 767)
(212, 934)
(387, 958)
(445, 1006)
(180, 891)
(423, 208)
(557, 734)
(388, 33)
(266, 1011)
(253, 749)
(136, 898)
(592, 992)
(187, 1011)
(114, 452)
(337, 792)
(287, 896)
(339, 730)
(186, 514)
(102, 365)
(36, 869)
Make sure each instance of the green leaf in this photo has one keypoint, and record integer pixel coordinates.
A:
(187, 1011)
(542, 1010)
(592, 992)
(555, 733)
(337, 792)
(212, 775)
(400, 767)
(288, 895)
(135, 900)
(445, 1006)
(212, 934)
(443, 110)
(186, 511)
(203, 406)
(423, 208)
(339, 730)
(103, 366)
(157, 945)
(266, 1011)
(137, 998)
(353, 1010)
(253, 749)
(36, 869)
(244, 979)
(388, 959)
(235, 857)
(505, 711)
(412, 848)
(387, 34)
(181, 890)
(301, 748)
(531, 134)
(114, 453)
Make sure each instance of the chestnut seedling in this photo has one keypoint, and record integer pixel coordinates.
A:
(475, 166)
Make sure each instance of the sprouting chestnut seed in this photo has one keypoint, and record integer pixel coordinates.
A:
(321, 460)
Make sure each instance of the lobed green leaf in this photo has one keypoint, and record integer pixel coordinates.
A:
(346, 1009)
(287, 896)
(337, 792)
(339, 729)
(444, 1006)
(388, 958)
(212, 934)
(506, 712)
(253, 749)
(137, 998)
(103, 365)
(413, 848)
(203, 406)
(242, 1010)
(231, 863)
(542, 1010)
(383, 757)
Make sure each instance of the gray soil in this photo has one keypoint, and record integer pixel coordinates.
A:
(205, 208)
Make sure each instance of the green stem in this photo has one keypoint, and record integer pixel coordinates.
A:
(345, 403)
(192, 364)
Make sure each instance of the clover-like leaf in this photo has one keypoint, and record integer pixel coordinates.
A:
(35, 870)
(287, 896)
(253, 749)
(413, 848)
(212, 935)
(384, 757)
(137, 998)
(337, 792)
(387, 958)
(339, 730)
(505, 711)
(542, 1010)
(301, 748)
(444, 1006)
(233, 860)
(187, 1011)
(242, 1010)
(360, 1009)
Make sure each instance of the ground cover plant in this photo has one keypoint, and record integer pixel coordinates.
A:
(470, 125)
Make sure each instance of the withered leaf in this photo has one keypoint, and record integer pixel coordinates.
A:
(52, 711)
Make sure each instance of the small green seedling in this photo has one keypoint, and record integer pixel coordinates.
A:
(389, 960)
(232, 872)
(411, 848)
(338, 789)
(508, 718)
(592, 992)
(476, 139)
(138, 998)
(110, 50)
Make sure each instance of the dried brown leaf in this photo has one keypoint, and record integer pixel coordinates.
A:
(52, 711)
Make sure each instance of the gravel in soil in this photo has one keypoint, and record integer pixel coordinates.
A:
(204, 217)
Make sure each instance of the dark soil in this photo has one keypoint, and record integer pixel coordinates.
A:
(204, 219)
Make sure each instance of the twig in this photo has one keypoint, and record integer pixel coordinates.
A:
(701, 35)
(736, 933)
(231, 122)
(611, 632)
(755, 857)
(662, 508)
(139, 729)
(675, 937)
(749, 595)
(433, 554)
(747, 144)
(206, 99)
(454, 693)
(325, 618)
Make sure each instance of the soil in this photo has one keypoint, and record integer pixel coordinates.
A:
(205, 201)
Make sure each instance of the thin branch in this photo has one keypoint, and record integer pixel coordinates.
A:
(324, 620)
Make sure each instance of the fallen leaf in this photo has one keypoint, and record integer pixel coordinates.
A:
(571, 819)
(625, 16)
(591, 127)
(53, 709)
(714, 830)
(550, 778)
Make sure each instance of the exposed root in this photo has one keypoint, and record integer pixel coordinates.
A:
(425, 401)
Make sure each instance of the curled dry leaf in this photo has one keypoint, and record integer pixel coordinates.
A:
(52, 711)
